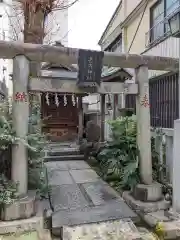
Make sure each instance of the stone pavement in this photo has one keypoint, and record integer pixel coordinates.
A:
(79, 196)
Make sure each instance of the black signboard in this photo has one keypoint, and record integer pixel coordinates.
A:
(90, 65)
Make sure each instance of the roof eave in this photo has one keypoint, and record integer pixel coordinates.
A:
(135, 12)
(123, 74)
(111, 20)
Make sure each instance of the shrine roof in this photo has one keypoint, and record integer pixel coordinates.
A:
(108, 74)
(70, 72)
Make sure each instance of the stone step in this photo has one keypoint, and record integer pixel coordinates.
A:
(63, 158)
(117, 229)
(63, 152)
(114, 210)
(63, 144)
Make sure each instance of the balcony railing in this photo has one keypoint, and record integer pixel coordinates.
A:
(161, 30)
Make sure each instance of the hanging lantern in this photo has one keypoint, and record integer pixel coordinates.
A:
(47, 99)
(65, 100)
(73, 100)
(56, 100)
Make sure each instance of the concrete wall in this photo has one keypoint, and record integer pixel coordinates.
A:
(93, 101)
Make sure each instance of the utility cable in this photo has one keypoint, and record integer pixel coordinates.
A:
(138, 25)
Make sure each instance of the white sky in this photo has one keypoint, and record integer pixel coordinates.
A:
(87, 21)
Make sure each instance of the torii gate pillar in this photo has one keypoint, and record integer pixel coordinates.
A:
(143, 124)
(147, 191)
(20, 111)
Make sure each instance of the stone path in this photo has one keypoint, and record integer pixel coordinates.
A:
(79, 196)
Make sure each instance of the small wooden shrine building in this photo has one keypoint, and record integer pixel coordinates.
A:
(62, 113)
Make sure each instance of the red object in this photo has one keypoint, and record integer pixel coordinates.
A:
(20, 97)
(145, 101)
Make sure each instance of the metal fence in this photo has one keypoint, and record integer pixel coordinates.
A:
(163, 95)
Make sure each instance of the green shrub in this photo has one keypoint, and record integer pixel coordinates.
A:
(119, 158)
(35, 142)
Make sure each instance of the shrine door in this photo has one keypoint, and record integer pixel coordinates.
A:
(60, 117)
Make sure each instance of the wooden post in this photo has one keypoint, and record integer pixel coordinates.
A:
(143, 125)
(102, 116)
(80, 115)
(20, 111)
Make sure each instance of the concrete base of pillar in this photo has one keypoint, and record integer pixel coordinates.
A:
(21, 209)
(164, 227)
(21, 226)
(145, 207)
(148, 193)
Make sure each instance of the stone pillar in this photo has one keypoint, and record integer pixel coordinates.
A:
(80, 115)
(115, 104)
(169, 154)
(103, 116)
(176, 166)
(122, 104)
(143, 125)
(147, 191)
(20, 111)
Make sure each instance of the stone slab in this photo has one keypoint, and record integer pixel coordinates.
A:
(111, 211)
(146, 234)
(100, 193)
(67, 197)
(84, 176)
(35, 235)
(56, 166)
(121, 229)
(145, 207)
(60, 178)
(77, 165)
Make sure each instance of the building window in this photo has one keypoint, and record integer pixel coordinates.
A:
(158, 13)
(156, 17)
(116, 45)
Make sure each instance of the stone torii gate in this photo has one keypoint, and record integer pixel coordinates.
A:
(22, 53)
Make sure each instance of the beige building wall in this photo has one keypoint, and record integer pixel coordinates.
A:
(139, 43)
(129, 6)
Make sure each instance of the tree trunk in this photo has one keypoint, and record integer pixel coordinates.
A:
(34, 30)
